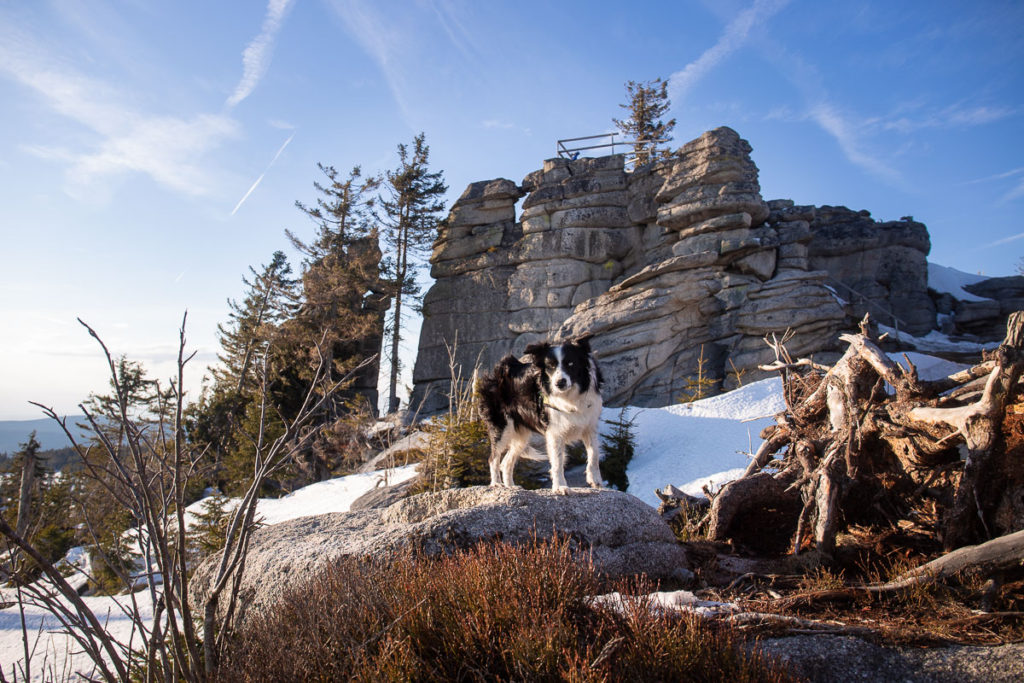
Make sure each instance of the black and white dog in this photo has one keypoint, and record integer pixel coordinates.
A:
(554, 391)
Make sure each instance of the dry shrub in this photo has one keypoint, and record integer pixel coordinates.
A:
(495, 612)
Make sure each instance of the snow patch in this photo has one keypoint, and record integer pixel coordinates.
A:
(946, 280)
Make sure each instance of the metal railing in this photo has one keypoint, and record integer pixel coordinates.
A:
(879, 308)
(609, 141)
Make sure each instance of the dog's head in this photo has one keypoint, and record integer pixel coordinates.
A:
(565, 367)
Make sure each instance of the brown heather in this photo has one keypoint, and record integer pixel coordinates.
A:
(492, 613)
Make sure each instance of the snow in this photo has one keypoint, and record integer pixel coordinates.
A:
(944, 279)
(333, 495)
(55, 656)
(937, 342)
(706, 442)
(51, 659)
(697, 443)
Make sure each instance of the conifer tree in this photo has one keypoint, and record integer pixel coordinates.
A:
(36, 504)
(647, 103)
(342, 291)
(412, 212)
(269, 301)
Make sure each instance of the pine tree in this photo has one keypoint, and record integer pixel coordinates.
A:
(20, 480)
(648, 102)
(342, 292)
(36, 503)
(269, 301)
(411, 217)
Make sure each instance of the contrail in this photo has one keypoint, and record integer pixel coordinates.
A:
(258, 180)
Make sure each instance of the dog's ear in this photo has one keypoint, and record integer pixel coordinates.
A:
(538, 351)
(584, 342)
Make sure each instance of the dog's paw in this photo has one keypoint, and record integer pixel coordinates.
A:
(598, 487)
(561, 490)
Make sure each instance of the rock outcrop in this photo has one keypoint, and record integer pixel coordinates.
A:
(879, 268)
(622, 534)
(678, 267)
(987, 319)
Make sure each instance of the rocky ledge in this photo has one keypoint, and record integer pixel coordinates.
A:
(623, 536)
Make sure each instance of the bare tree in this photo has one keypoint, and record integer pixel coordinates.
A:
(149, 476)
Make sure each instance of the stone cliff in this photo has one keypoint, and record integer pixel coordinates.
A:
(675, 267)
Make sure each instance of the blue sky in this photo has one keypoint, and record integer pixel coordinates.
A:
(151, 152)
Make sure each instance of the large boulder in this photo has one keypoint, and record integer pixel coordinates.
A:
(623, 535)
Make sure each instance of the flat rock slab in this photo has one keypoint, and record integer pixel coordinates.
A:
(623, 535)
(844, 659)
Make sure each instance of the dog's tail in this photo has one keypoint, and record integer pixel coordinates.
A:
(531, 453)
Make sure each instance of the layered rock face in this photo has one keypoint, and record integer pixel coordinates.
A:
(728, 279)
(987, 319)
(879, 268)
(465, 311)
(677, 268)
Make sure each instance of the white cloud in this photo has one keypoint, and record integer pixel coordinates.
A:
(732, 38)
(954, 116)
(119, 138)
(382, 40)
(1015, 193)
(1006, 240)
(400, 42)
(847, 135)
(256, 56)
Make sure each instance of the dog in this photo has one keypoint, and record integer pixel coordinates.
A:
(554, 391)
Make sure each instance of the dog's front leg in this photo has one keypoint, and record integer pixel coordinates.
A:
(593, 461)
(494, 461)
(556, 457)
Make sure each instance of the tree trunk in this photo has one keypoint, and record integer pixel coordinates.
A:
(28, 479)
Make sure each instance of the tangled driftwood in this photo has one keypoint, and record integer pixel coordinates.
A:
(866, 440)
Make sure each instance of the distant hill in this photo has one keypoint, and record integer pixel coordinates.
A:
(48, 434)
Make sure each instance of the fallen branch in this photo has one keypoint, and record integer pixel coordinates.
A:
(992, 556)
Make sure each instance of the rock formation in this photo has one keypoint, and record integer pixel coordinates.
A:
(678, 267)
(623, 536)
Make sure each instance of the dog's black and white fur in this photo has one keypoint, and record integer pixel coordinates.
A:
(554, 391)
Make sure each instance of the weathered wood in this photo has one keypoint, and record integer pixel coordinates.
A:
(757, 490)
(995, 555)
(844, 430)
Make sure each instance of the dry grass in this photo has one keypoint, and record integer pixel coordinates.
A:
(967, 610)
(492, 613)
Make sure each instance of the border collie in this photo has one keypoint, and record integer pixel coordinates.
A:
(554, 391)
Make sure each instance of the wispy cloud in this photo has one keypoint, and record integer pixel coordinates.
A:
(847, 134)
(1005, 240)
(959, 115)
(120, 138)
(256, 55)
(733, 37)
(400, 42)
(499, 124)
(380, 39)
(259, 180)
(1016, 193)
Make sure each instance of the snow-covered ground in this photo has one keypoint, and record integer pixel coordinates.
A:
(50, 647)
(951, 281)
(688, 445)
